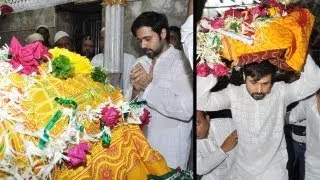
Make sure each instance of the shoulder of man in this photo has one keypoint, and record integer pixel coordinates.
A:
(97, 56)
(180, 60)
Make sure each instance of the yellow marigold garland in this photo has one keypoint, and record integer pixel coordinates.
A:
(80, 63)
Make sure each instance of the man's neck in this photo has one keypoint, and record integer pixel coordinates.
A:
(165, 48)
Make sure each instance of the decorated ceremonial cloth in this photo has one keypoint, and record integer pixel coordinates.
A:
(60, 120)
(283, 38)
(273, 31)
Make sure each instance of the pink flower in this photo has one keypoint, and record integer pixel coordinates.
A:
(77, 154)
(110, 116)
(145, 118)
(203, 70)
(233, 13)
(28, 57)
(6, 9)
(257, 12)
(220, 70)
(217, 23)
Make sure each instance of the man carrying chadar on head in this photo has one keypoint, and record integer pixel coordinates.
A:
(276, 37)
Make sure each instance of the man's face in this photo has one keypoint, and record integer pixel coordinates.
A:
(203, 124)
(64, 42)
(259, 89)
(150, 42)
(101, 41)
(44, 32)
(87, 48)
(174, 40)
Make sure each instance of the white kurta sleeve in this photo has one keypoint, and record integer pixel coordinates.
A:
(307, 84)
(176, 101)
(298, 113)
(129, 61)
(187, 39)
(206, 162)
(211, 101)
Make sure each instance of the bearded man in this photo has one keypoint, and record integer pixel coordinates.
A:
(163, 78)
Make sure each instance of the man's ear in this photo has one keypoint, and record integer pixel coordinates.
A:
(163, 34)
(208, 118)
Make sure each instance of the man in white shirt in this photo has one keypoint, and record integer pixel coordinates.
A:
(63, 40)
(296, 146)
(128, 61)
(163, 78)
(215, 144)
(187, 34)
(258, 109)
(309, 110)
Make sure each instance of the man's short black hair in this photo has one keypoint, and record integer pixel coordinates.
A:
(176, 30)
(156, 21)
(260, 70)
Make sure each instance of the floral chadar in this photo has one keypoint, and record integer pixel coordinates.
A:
(68, 123)
(249, 35)
(27, 59)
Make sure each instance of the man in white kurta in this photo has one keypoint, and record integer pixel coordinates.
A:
(163, 78)
(187, 34)
(169, 99)
(261, 150)
(212, 162)
(308, 110)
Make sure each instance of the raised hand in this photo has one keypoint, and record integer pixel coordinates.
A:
(140, 79)
(230, 142)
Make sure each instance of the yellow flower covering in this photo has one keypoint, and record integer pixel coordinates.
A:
(28, 106)
(81, 64)
(290, 33)
(274, 12)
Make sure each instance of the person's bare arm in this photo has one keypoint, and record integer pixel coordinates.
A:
(230, 142)
(190, 8)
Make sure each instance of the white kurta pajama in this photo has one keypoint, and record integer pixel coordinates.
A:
(212, 162)
(261, 150)
(170, 101)
(307, 109)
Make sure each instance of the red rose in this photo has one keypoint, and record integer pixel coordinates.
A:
(145, 118)
(28, 57)
(110, 116)
(203, 70)
(220, 70)
(77, 154)
(217, 23)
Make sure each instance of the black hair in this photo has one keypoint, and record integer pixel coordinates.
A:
(260, 70)
(156, 21)
(176, 30)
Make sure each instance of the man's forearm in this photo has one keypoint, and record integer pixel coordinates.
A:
(190, 8)
(135, 93)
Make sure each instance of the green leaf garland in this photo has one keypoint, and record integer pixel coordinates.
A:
(99, 75)
(62, 68)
